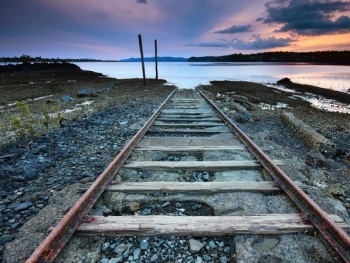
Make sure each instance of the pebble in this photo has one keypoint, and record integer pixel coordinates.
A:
(144, 244)
(167, 249)
(195, 245)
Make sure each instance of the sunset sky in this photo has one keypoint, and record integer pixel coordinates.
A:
(108, 29)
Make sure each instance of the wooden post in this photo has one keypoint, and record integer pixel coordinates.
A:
(142, 60)
(156, 57)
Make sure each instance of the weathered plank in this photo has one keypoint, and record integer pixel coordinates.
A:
(202, 124)
(196, 165)
(188, 110)
(198, 119)
(198, 225)
(196, 187)
(190, 148)
(198, 131)
(188, 141)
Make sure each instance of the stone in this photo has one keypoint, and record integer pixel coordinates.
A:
(105, 246)
(317, 157)
(157, 157)
(212, 244)
(205, 177)
(120, 249)
(5, 238)
(284, 81)
(144, 244)
(2, 208)
(86, 93)
(154, 258)
(195, 245)
(66, 98)
(23, 206)
(223, 260)
(146, 212)
(136, 253)
(133, 206)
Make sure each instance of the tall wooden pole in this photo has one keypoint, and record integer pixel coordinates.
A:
(156, 57)
(142, 60)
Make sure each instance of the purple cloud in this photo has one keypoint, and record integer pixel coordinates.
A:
(235, 29)
(308, 17)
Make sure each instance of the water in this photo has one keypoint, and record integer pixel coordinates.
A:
(189, 75)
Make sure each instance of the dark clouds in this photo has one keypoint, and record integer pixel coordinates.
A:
(257, 43)
(213, 44)
(307, 17)
(260, 43)
(142, 1)
(235, 29)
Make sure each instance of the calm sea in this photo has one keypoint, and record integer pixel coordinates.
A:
(189, 75)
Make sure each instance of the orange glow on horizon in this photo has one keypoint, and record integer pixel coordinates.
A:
(320, 43)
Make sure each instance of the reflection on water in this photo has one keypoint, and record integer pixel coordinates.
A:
(189, 75)
(317, 101)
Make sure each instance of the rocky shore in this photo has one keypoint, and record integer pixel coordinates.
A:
(75, 149)
(50, 169)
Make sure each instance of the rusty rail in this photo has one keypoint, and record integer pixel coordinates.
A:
(335, 236)
(58, 237)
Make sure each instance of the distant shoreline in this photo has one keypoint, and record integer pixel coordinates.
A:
(317, 58)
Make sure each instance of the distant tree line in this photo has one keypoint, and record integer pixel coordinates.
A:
(28, 59)
(318, 57)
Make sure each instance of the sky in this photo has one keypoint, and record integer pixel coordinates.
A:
(108, 29)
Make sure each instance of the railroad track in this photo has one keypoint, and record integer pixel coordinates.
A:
(189, 171)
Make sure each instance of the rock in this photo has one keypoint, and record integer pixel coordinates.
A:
(154, 258)
(136, 253)
(195, 245)
(284, 81)
(66, 98)
(23, 206)
(86, 93)
(144, 244)
(120, 249)
(212, 244)
(316, 157)
(223, 260)
(205, 177)
(158, 156)
(133, 206)
(146, 212)
(166, 204)
(5, 238)
(30, 171)
(2, 208)
(105, 246)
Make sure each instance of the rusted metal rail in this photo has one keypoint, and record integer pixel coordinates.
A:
(55, 241)
(335, 236)
(58, 237)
